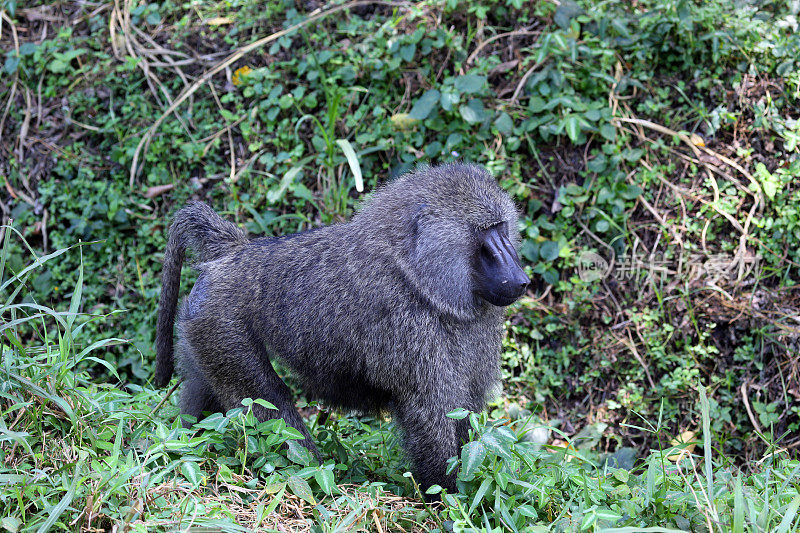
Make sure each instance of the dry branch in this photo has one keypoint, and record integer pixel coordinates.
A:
(231, 59)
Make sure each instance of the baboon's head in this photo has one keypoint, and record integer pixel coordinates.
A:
(453, 231)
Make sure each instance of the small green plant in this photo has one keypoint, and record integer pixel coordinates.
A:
(657, 134)
(513, 483)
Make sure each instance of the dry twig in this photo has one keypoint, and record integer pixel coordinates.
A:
(515, 33)
(231, 59)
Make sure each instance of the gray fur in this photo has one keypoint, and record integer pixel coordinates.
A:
(196, 227)
(372, 314)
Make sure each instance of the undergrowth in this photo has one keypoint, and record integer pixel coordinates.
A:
(652, 148)
(99, 456)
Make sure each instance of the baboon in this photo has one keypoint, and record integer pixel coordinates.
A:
(400, 309)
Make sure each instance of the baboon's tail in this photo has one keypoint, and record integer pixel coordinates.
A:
(195, 227)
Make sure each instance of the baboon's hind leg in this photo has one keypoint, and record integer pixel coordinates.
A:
(197, 396)
(236, 368)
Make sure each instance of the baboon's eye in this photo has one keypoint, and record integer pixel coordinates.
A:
(486, 252)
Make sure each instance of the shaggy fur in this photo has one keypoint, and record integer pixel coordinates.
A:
(379, 313)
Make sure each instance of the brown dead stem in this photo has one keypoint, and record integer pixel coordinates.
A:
(231, 59)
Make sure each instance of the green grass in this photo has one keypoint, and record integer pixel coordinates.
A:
(80, 452)
(592, 115)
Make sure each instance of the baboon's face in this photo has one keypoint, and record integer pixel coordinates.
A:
(499, 277)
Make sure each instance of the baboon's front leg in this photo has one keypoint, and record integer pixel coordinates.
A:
(431, 439)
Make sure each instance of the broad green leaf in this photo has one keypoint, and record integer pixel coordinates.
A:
(292, 433)
(550, 276)
(573, 127)
(453, 140)
(608, 131)
(769, 182)
(425, 105)
(589, 518)
(607, 514)
(57, 66)
(472, 456)
(573, 189)
(566, 11)
(785, 68)
(28, 49)
(560, 40)
(262, 402)
(569, 102)
(469, 83)
(298, 453)
(631, 191)
(407, 52)
(301, 489)
(191, 471)
(501, 478)
(549, 250)
(480, 493)
(326, 481)
(536, 104)
(448, 99)
(632, 154)
(225, 473)
(597, 164)
(504, 433)
(620, 26)
(529, 250)
(544, 49)
(433, 149)
(493, 444)
(592, 115)
(11, 64)
(434, 489)
(504, 124)
(473, 112)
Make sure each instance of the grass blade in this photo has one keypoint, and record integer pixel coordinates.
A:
(75, 301)
(65, 501)
(738, 506)
(789, 515)
(39, 261)
(352, 160)
(707, 466)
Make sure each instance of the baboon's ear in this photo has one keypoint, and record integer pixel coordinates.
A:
(437, 252)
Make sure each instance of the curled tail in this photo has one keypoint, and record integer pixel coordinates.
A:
(195, 227)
